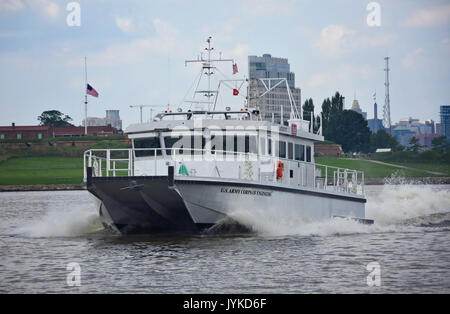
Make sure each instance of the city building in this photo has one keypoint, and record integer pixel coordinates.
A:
(328, 150)
(445, 122)
(375, 124)
(92, 121)
(357, 108)
(112, 118)
(91, 131)
(426, 140)
(25, 132)
(403, 134)
(424, 130)
(272, 104)
(42, 132)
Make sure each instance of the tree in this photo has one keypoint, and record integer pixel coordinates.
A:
(383, 139)
(308, 109)
(414, 145)
(54, 118)
(440, 144)
(331, 109)
(349, 129)
(337, 104)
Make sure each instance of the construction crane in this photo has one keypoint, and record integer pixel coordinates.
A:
(142, 106)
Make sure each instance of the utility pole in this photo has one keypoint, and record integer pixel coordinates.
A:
(85, 98)
(387, 123)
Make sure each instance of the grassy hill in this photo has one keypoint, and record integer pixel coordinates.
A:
(373, 170)
(41, 170)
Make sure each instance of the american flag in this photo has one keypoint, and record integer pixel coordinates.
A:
(91, 91)
(235, 68)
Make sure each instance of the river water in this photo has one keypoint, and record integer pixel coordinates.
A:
(42, 232)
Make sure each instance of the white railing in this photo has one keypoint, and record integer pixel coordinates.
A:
(202, 163)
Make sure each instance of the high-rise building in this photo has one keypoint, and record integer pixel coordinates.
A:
(273, 103)
(357, 108)
(112, 118)
(445, 121)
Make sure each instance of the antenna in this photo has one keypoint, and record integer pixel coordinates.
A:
(387, 102)
(141, 107)
(208, 69)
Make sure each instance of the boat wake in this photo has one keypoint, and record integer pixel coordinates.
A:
(395, 207)
(72, 222)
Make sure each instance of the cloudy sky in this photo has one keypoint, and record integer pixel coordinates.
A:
(136, 51)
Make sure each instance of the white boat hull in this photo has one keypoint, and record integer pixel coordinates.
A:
(161, 204)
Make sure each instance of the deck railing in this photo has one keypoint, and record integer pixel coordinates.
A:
(210, 164)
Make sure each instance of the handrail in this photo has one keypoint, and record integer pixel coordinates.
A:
(343, 179)
(216, 151)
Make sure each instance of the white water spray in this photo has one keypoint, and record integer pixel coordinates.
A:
(63, 222)
(391, 206)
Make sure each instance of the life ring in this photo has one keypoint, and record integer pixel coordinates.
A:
(280, 169)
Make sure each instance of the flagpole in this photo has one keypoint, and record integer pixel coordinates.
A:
(85, 97)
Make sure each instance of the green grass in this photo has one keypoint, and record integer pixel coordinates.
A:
(49, 165)
(371, 170)
(41, 170)
(67, 139)
(437, 167)
(69, 170)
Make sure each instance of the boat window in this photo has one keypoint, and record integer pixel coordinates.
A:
(282, 149)
(171, 141)
(229, 144)
(198, 143)
(151, 144)
(299, 152)
(250, 144)
(213, 143)
(308, 153)
(239, 143)
(269, 147)
(290, 151)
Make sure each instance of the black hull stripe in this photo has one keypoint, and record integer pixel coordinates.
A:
(239, 184)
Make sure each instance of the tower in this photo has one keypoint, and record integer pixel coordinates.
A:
(375, 114)
(387, 104)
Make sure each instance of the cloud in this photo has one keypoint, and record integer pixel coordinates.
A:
(338, 40)
(241, 50)
(165, 40)
(343, 74)
(267, 7)
(413, 59)
(48, 8)
(125, 24)
(11, 5)
(436, 16)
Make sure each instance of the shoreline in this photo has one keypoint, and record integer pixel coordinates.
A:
(42, 188)
(82, 187)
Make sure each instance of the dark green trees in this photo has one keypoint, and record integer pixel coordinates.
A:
(54, 118)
